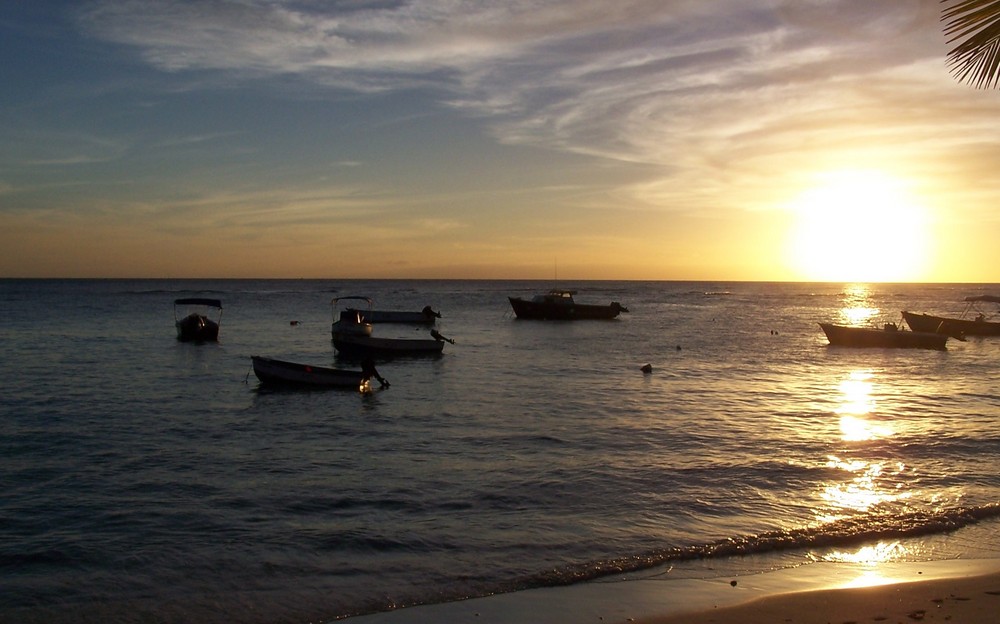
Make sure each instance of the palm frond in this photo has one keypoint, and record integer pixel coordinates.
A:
(973, 26)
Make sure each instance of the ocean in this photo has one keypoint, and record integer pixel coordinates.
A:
(148, 480)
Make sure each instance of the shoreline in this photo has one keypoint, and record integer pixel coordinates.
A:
(957, 600)
(956, 590)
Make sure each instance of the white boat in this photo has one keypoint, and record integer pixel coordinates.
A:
(352, 334)
(349, 318)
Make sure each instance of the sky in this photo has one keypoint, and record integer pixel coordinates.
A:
(762, 140)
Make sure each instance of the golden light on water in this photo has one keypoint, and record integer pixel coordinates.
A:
(856, 403)
(863, 483)
(862, 487)
(878, 553)
(858, 225)
(858, 308)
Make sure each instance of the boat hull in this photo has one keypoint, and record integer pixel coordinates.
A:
(864, 337)
(950, 326)
(370, 346)
(281, 373)
(197, 328)
(559, 311)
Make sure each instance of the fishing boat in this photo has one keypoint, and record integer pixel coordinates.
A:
(889, 336)
(559, 305)
(193, 318)
(352, 334)
(274, 372)
(964, 325)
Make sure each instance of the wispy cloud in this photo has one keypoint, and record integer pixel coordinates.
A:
(637, 80)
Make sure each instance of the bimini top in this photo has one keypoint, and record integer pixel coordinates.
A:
(215, 303)
(989, 298)
(367, 300)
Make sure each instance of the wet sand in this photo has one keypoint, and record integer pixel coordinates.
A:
(962, 600)
(953, 591)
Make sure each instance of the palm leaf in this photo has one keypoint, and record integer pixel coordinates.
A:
(974, 27)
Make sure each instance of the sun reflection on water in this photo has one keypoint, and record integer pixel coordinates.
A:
(882, 552)
(863, 482)
(859, 307)
(870, 557)
(856, 403)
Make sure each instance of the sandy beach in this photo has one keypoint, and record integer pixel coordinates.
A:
(955, 600)
(953, 591)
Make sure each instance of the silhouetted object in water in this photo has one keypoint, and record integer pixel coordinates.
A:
(558, 305)
(197, 326)
(368, 371)
(279, 373)
(648, 368)
(437, 336)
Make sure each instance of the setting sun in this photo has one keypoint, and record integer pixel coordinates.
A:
(858, 226)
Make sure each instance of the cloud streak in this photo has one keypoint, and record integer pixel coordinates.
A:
(615, 80)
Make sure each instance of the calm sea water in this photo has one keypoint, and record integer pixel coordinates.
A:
(146, 480)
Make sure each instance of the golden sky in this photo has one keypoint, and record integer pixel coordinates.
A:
(637, 139)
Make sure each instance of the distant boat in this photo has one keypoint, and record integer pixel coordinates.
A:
(889, 336)
(192, 318)
(274, 372)
(961, 326)
(353, 312)
(559, 305)
(352, 334)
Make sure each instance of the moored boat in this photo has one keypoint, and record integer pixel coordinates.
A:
(282, 373)
(348, 318)
(352, 334)
(961, 326)
(193, 319)
(559, 305)
(890, 336)
(354, 345)
(427, 316)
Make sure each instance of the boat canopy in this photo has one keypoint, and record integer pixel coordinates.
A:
(367, 300)
(988, 298)
(215, 303)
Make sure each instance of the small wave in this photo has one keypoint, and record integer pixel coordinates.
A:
(846, 532)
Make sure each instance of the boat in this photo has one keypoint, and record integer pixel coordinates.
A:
(193, 319)
(889, 336)
(351, 319)
(964, 325)
(354, 345)
(427, 316)
(274, 372)
(352, 334)
(559, 305)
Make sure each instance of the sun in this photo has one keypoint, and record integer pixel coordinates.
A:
(858, 226)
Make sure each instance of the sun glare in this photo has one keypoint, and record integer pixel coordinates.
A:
(858, 226)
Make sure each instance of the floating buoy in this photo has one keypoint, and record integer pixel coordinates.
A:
(648, 368)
